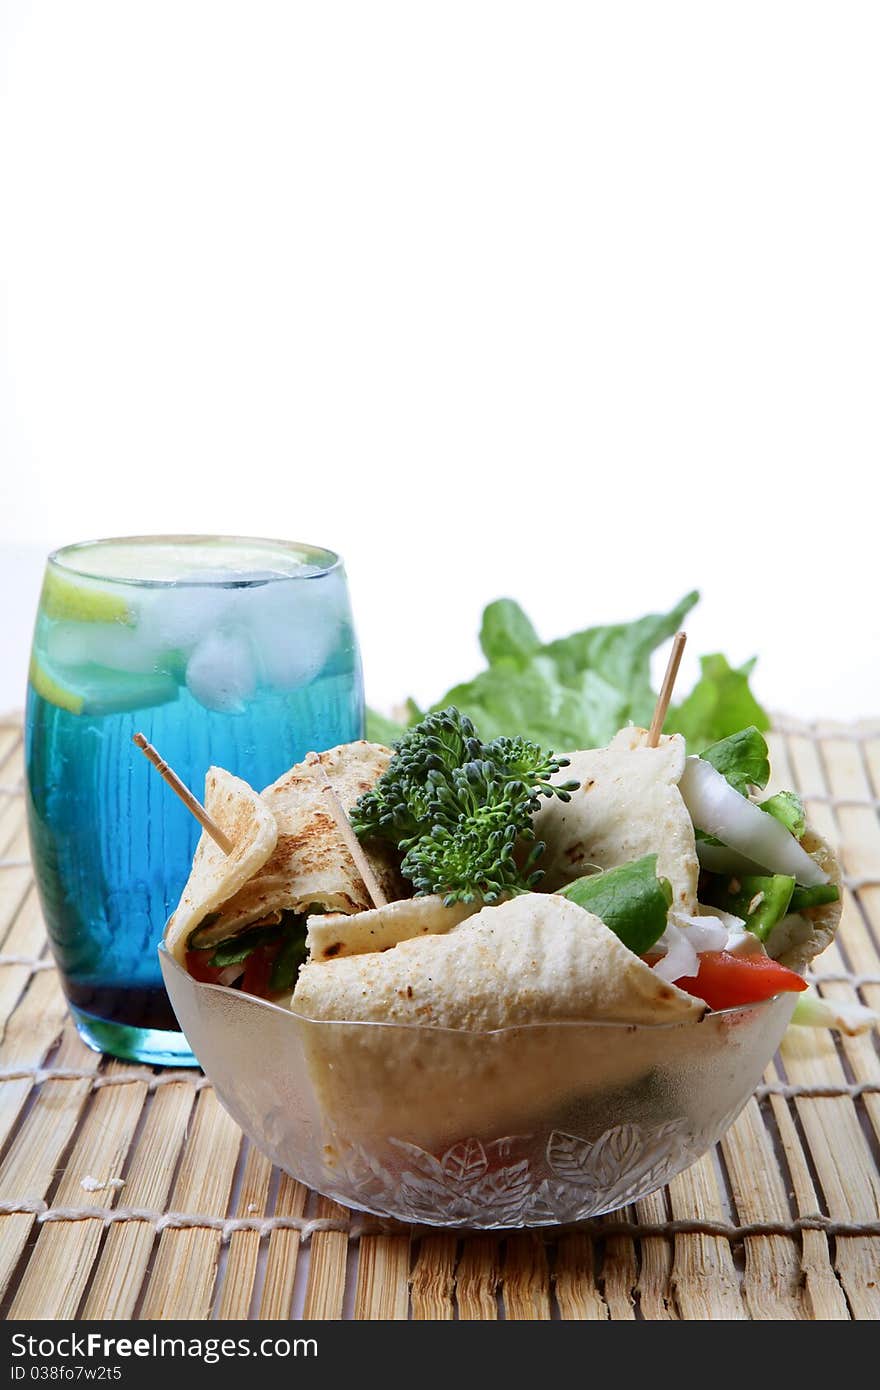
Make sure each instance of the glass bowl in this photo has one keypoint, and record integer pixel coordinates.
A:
(526, 1126)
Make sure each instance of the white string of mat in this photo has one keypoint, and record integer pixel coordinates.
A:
(181, 1220)
(39, 1075)
(354, 1230)
(817, 1091)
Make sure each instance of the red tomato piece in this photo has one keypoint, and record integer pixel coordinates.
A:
(725, 980)
(197, 966)
(257, 970)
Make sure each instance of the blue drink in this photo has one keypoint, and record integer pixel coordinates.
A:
(235, 653)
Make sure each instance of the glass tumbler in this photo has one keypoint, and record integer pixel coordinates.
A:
(220, 650)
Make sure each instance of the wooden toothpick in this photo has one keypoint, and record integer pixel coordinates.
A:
(186, 796)
(355, 848)
(665, 695)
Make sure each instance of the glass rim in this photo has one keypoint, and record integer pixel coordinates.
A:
(327, 560)
(759, 1006)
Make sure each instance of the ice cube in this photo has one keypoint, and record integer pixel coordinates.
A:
(178, 618)
(221, 673)
(112, 645)
(294, 627)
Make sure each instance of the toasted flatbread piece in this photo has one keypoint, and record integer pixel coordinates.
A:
(534, 958)
(627, 805)
(310, 865)
(333, 934)
(215, 877)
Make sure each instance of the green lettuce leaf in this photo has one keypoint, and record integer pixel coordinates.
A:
(742, 758)
(234, 949)
(506, 634)
(530, 702)
(380, 729)
(619, 653)
(577, 691)
(631, 900)
(286, 964)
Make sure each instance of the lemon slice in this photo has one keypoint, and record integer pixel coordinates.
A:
(102, 692)
(74, 599)
(53, 691)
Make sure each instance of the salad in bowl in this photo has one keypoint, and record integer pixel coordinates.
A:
(561, 985)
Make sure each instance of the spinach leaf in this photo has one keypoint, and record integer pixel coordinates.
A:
(742, 759)
(631, 900)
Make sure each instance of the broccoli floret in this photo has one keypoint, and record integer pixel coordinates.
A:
(459, 809)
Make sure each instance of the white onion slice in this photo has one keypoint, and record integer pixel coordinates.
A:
(716, 807)
(684, 938)
(708, 932)
(231, 973)
(680, 961)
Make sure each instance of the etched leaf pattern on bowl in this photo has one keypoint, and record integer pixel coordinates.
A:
(522, 1180)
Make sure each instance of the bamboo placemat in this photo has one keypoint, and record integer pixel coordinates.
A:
(782, 1220)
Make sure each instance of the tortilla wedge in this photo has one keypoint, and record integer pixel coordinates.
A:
(307, 865)
(627, 805)
(534, 958)
(330, 935)
(216, 877)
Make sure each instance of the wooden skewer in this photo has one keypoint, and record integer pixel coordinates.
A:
(186, 796)
(355, 848)
(665, 695)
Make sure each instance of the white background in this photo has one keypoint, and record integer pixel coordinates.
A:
(578, 303)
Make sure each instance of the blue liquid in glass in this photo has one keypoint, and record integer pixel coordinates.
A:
(112, 845)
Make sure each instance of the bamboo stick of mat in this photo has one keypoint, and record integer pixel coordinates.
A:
(577, 1294)
(477, 1279)
(832, 1127)
(328, 1260)
(382, 1290)
(35, 1026)
(30, 1165)
(620, 1269)
(62, 1259)
(654, 1289)
(822, 1295)
(525, 1279)
(283, 1253)
(129, 1245)
(433, 1279)
(181, 1284)
(704, 1276)
(244, 1246)
(772, 1276)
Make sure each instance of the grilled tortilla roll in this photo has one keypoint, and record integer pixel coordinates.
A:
(305, 866)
